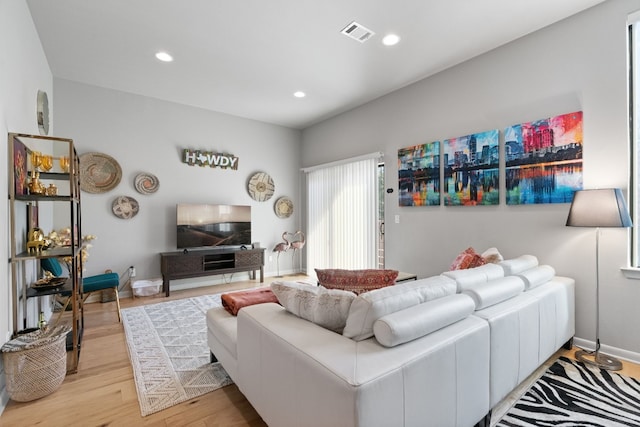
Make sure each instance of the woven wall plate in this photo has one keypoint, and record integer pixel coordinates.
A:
(261, 187)
(125, 207)
(284, 207)
(146, 183)
(99, 173)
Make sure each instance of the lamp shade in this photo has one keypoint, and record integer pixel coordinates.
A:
(598, 208)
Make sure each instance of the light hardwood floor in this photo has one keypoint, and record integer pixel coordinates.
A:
(103, 392)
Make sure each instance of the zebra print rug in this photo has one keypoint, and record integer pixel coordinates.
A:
(571, 393)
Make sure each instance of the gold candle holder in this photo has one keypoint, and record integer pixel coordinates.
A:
(36, 160)
(64, 163)
(46, 162)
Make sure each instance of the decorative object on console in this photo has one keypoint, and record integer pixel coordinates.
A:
(356, 281)
(99, 173)
(146, 183)
(261, 187)
(544, 160)
(598, 208)
(284, 207)
(419, 175)
(125, 207)
(467, 259)
(281, 247)
(42, 112)
(471, 169)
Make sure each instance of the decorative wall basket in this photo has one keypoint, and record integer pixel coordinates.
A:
(261, 187)
(99, 173)
(125, 207)
(146, 183)
(284, 207)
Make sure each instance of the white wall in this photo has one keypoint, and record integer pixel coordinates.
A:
(23, 71)
(577, 64)
(148, 135)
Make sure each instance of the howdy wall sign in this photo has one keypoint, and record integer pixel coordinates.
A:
(207, 158)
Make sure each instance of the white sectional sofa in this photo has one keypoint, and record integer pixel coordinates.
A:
(439, 351)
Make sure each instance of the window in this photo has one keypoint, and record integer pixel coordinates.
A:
(343, 210)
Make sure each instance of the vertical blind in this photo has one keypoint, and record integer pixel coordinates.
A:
(342, 215)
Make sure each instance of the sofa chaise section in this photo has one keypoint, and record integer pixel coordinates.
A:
(296, 373)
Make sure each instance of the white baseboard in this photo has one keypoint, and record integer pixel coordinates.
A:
(612, 351)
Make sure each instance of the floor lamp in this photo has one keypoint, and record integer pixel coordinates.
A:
(598, 208)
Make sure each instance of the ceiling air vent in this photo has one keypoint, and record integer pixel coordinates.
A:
(357, 32)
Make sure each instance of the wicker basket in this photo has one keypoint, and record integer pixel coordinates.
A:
(35, 364)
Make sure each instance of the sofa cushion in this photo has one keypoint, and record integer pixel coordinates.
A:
(471, 277)
(370, 306)
(518, 265)
(537, 276)
(325, 307)
(422, 319)
(357, 281)
(492, 256)
(495, 291)
(467, 259)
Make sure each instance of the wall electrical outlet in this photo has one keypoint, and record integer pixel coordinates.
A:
(397, 219)
(132, 271)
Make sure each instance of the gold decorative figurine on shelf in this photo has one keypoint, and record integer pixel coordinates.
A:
(35, 186)
(36, 240)
(52, 190)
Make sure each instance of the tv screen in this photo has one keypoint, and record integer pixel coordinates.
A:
(213, 225)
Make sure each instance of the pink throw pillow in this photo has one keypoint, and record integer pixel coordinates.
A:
(467, 259)
(357, 281)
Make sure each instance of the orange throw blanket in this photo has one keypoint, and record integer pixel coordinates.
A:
(234, 301)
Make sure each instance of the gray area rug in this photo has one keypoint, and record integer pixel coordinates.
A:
(167, 344)
(574, 394)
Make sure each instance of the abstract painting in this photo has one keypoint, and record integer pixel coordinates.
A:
(543, 160)
(419, 175)
(471, 170)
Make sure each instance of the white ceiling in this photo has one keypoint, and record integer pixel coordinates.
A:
(247, 57)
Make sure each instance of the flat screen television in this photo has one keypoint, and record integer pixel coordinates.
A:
(213, 225)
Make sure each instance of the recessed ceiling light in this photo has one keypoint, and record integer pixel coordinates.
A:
(164, 56)
(390, 40)
(299, 94)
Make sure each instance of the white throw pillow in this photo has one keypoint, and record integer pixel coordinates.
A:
(422, 319)
(518, 265)
(328, 308)
(370, 306)
(471, 277)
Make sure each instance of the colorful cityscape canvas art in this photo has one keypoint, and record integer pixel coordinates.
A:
(471, 169)
(419, 175)
(543, 160)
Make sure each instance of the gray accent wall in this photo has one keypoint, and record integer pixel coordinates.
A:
(148, 135)
(577, 64)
